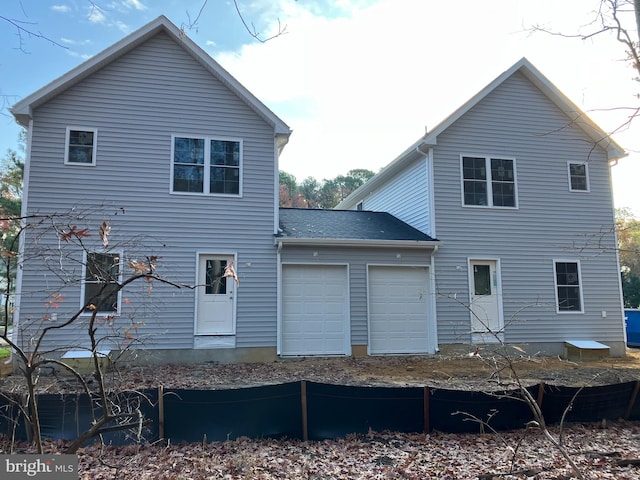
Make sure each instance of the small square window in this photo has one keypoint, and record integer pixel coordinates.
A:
(578, 177)
(80, 146)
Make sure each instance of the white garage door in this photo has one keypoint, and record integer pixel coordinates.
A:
(315, 310)
(398, 310)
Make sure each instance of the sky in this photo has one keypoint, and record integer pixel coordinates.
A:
(358, 81)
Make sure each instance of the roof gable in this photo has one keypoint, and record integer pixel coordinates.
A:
(418, 149)
(22, 110)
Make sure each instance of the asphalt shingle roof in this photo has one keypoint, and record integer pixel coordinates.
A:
(346, 225)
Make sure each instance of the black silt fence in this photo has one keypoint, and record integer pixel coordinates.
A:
(315, 411)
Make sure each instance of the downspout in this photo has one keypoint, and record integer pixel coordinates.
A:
(434, 308)
(278, 296)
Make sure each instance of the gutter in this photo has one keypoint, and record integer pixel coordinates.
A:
(346, 242)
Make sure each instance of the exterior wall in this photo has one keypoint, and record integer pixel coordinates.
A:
(357, 258)
(551, 222)
(137, 103)
(405, 196)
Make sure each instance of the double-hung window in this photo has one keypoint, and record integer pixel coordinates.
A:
(568, 286)
(578, 177)
(102, 273)
(80, 146)
(489, 182)
(204, 165)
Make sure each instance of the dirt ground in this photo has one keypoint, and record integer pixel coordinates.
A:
(464, 372)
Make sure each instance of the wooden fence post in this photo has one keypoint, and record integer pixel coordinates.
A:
(540, 394)
(161, 412)
(632, 400)
(427, 410)
(303, 399)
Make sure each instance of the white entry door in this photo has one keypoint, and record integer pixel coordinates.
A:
(486, 306)
(215, 315)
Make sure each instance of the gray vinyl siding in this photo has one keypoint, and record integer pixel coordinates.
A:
(137, 103)
(517, 121)
(357, 258)
(405, 196)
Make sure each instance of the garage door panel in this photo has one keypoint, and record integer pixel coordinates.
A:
(314, 310)
(398, 310)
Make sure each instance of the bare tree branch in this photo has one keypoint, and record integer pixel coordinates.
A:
(24, 29)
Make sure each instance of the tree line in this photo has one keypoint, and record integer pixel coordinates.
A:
(311, 193)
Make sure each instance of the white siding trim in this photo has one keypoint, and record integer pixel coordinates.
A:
(431, 196)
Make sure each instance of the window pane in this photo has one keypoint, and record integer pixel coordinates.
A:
(106, 302)
(475, 193)
(503, 194)
(501, 170)
(80, 146)
(188, 178)
(567, 273)
(102, 267)
(79, 154)
(216, 282)
(502, 183)
(481, 280)
(474, 168)
(225, 180)
(225, 153)
(569, 298)
(578, 174)
(102, 275)
(80, 137)
(188, 150)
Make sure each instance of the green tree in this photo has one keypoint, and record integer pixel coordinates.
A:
(11, 176)
(310, 190)
(289, 181)
(326, 194)
(628, 229)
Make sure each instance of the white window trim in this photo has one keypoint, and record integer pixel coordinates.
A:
(487, 159)
(95, 146)
(586, 171)
(555, 286)
(207, 146)
(84, 276)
